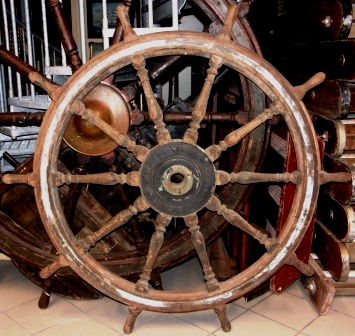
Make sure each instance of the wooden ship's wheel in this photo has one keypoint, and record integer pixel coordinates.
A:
(178, 179)
(22, 236)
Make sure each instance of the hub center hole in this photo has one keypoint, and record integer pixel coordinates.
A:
(177, 178)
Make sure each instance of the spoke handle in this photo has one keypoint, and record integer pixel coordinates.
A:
(315, 80)
(17, 63)
(67, 39)
(325, 177)
(53, 267)
(226, 32)
(19, 179)
(29, 71)
(128, 32)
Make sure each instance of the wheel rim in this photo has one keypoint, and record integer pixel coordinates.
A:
(236, 57)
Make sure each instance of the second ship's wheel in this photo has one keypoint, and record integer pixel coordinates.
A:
(178, 177)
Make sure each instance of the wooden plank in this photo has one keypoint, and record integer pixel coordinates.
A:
(287, 273)
(341, 287)
(338, 218)
(342, 192)
(333, 134)
(349, 127)
(351, 250)
(326, 99)
(332, 253)
(319, 288)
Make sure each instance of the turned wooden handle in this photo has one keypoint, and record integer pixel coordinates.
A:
(15, 62)
(122, 13)
(310, 84)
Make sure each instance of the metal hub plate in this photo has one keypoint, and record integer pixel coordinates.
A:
(177, 179)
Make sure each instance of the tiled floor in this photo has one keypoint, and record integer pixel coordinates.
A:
(290, 313)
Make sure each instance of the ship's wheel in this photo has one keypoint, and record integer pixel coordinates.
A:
(177, 178)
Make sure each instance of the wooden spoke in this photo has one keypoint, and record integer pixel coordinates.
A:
(199, 111)
(138, 63)
(122, 14)
(221, 312)
(48, 285)
(198, 242)
(60, 262)
(325, 177)
(235, 219)
(134, 311)
(155, 112)
(214, 151)
(19, 179)
(315, 80)
(118, 33)
(49, 270)
(109, 178)
(31, 73)
(66, 36)
(154, 247)
(120, 219)
(121, 139)
(306, 269)
(250, 177)
(226, 32)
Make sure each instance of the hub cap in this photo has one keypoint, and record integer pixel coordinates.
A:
(177, 179)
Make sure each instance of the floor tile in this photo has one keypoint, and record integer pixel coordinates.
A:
(59, 310)
(80, 325)
(297, 289)
(344, 305)
(8, 271)
(332, 324)
(253, 324)
(208, 319)
(190, 273)
(17, 292)
(173, 283)
(10, 327)
(168, 324)
(4, 257)
(288, 314)
(114, 315)
(249, 304)
(88, 305)
(287, 309)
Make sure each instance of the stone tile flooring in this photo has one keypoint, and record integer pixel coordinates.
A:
(290, 313)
